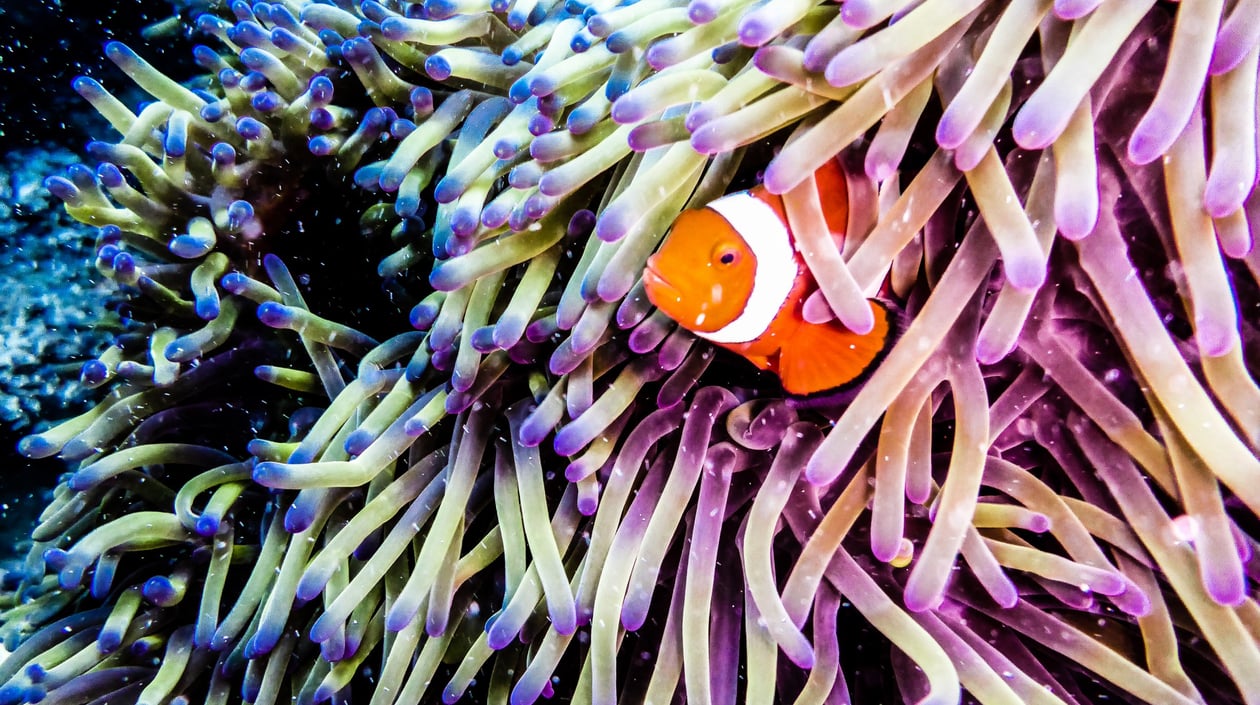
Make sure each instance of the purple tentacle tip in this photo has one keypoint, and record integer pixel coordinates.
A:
(400, 616)
(444, 359)
(250, 128)
(87, 87)
(299, 518)
(535, 429)
(444, 277)
(312, 584)
(234, 282)
(189, 248)
(542, 86)
(62, 188)
(540, 125)
(483, 340)
(322, 119)
(358, 50)
(627, 110)
(275, 315)
(270, 474)
(423, 315)
(71, 576)
(111, 176)
(1034, 128)
(703, 11)
(614, 224)
(117, 51)
(107, 254)
(708, 139)
(570, 439)
(265, 639)
(160, 591)
(56, 559)
(1025, 274)
(399, 129)
(438, 68)
(358, 441)
(448, 189)
(1074, 9)
(538, 205)
(38, 447)
(207, 526)
(755, 30)
(207, 309)
(394, 28)
(265, 102)
(582, 223)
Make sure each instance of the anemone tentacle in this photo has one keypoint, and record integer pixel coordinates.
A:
(492, 469)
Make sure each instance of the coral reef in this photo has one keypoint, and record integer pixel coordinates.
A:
(53, 312)
(1046, 493)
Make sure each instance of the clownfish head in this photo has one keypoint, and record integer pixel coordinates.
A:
(702, 276)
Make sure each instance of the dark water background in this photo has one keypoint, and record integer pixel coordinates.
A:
(51, 295)
(44, 45)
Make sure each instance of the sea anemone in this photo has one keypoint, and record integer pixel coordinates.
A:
(540, 487)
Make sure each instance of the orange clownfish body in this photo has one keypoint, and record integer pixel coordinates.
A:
(731, 273)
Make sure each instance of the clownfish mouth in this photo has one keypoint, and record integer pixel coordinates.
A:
(659, 290)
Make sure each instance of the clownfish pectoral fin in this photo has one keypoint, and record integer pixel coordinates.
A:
(827, 357)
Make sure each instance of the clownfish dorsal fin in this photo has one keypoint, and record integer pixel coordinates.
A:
(827, 357)
(833, 198)
(833, 195)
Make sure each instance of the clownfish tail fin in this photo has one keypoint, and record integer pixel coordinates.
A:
(827, 358)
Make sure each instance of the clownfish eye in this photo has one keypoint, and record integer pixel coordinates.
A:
(726, 255)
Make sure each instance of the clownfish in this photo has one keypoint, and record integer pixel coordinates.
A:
(731, 273)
